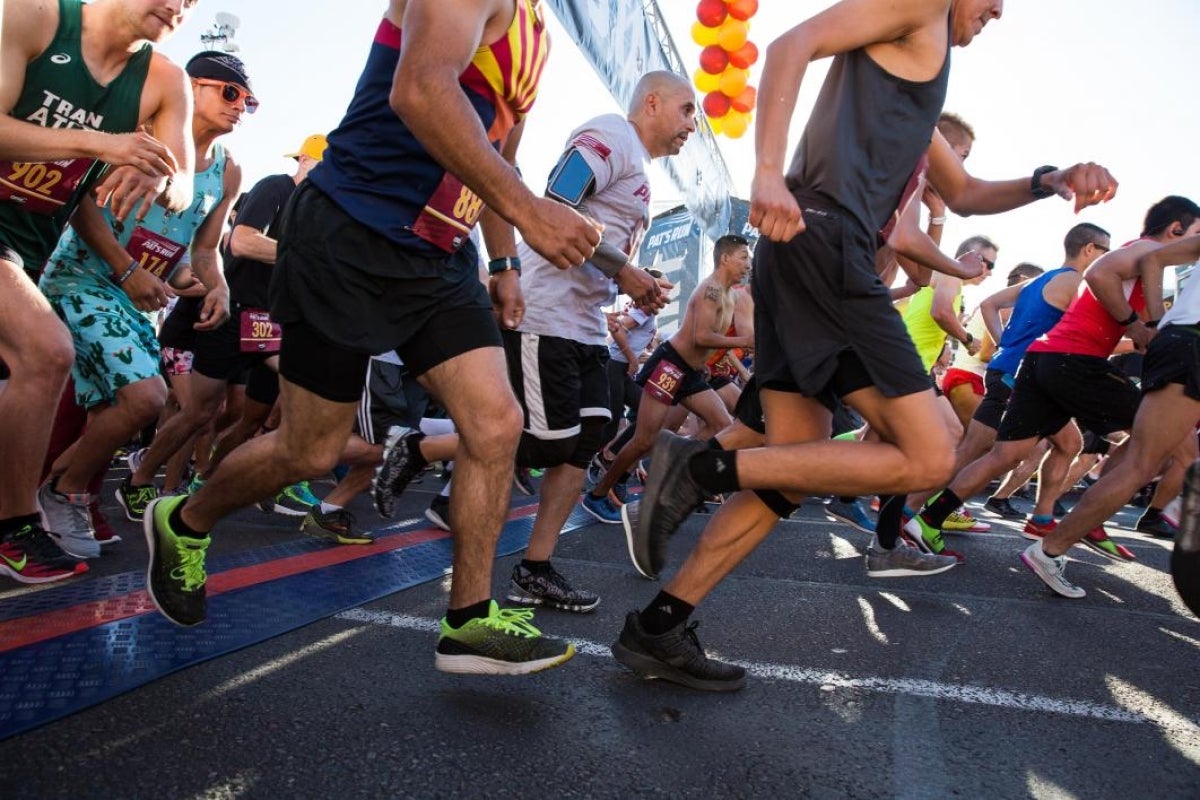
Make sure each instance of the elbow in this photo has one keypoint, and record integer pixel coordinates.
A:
(408, 97)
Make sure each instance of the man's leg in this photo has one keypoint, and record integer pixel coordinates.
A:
(207, 394)
(652, 415)
(1052, 480)
(712, 411)
(977, 440)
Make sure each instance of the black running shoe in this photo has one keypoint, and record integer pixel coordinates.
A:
(401, 463)
(675, 656)
(671, 495)
(175, 577)
(1185, 560)
(548, 588)
(1003, 507)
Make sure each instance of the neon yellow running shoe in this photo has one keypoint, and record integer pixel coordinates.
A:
(175, 577)
(505, 642)
(962, 522)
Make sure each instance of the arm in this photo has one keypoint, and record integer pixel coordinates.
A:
(146, 291)
(993, 304)
(945, 289)
(1151, 265)
(706, 306)
(1106, 279)
(918, 253)
(500, 239)
(206, 262)
(1087, 183)
(248, 242)
(440, 38)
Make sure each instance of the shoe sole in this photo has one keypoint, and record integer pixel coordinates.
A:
(1113, 556)
(651, 668)
(69, 547)
(34, 581)
(848, 521)
(283, 511)
(383, 496)
(660, 467)
(901, 572)
(437, 520)
(481, 665)
(1033, 567)
(977, 528)
(631, 544)
(152, 544)
(533, 601)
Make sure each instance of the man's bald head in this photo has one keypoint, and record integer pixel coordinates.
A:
(659, 83)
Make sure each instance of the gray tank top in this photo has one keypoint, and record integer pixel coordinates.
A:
(866, 133)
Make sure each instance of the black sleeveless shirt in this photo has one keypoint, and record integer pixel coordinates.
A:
(866, 133)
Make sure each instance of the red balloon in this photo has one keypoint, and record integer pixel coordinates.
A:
(713, 59)
(711, 12)
(743, 9)
(715, 104)
(745, 56)
(744, 102)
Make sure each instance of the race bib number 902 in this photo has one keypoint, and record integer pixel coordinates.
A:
(41, 187)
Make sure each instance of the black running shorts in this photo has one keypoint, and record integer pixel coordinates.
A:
(1051, 388)
(1173, 357)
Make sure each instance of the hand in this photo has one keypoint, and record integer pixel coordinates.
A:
(215, 310)
(1140, 335)
(1088, 183)
(126, 188)
(972, 347)
(508, 302)
(632, 369)
(139, 150)
(562, 235)
(773, 208)
(641, 287)
(194, 289)
(972, 265)
(933, 201)
(147, 292)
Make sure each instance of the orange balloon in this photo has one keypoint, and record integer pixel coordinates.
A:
(745, 56)
(732, 34)
(703, 35)
(744, 102)
(742, 9)
(734, 124)
(706, 82)
(732, 81)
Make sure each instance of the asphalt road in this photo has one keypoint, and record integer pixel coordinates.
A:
(977, 683)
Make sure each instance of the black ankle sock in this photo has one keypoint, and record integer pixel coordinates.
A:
(181, 528)
(940, 507)
(1151, 513)
(457, 617)
(414, 447)
(715, 470)
(536, 567)
(664, 612)
(847, 500)
(14, 524)
(887, 526)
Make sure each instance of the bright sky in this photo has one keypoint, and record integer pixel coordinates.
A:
(1049, 83)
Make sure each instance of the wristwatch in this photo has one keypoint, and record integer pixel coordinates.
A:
(1035, 183)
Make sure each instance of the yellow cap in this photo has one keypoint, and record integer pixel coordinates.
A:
(313, 147)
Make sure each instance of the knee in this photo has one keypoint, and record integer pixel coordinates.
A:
(934, 468)
(494, 435)
(48, 356)
(143, 401)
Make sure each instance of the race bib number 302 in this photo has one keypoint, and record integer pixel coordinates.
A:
(42, 187)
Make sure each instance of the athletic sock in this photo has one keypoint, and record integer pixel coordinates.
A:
(414, 447)
(940, 507)
(715, 470)
(179, 527)
(1042, 520)
(664, 613)
(536, 567)
(329, 508)
(457, 617)
(14, 524)
(887, 526)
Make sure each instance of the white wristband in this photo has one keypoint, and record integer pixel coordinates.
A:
(937, 220)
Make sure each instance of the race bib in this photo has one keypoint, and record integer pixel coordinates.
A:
(41, 187)
(156, 254)
(664, 382)
(260, 334)
(448, 217)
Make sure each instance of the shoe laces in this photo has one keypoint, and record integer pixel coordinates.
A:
(512, 622)
(960, 517)
(190, 569)
(143, 494)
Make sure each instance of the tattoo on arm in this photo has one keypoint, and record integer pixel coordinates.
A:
(712, 293)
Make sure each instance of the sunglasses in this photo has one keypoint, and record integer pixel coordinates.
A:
(1100, 247)
(988, 264)
(232, 93)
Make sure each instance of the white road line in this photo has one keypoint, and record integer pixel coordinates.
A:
(1155, 713)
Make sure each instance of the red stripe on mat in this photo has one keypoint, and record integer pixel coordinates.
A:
(24, 631)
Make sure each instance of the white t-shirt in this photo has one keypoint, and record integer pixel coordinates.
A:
(639, 336)
(568, 303)
(1186, 308)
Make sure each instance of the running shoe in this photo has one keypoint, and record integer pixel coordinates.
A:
(503, 643)
(674, 656)
(670, 496)
(604, 508)
(1035, 532)
(1185, 555)
(1173, 513)
(523, 481)
(596, 469)
(336, 526)
(195, 483)
(1052, 571)
(548, 588)
(439, 512)
(175, 578)
(1098, 540)
(1059, 509)
(928, 538)
(963, 522)
(1002, 507)
(292, 501)
(135, 458)
(620, 492)
(401, 463)
(67, 519)
(1157, 525)
(851, 514)
(133, 500)
(105, 534)
(29, 555)
(903, 561)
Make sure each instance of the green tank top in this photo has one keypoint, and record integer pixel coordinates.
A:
(37, 199)
(926, 334)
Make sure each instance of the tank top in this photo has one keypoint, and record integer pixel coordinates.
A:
(927, 336)
(1031, 317)
(1186, 308)
(1086, 329)
(158, 243)
(377, 171)
(37, 199)
(865, 136)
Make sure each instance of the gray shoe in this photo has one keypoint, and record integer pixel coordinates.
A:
(1051, 570)
(903, 561)
(69, 522)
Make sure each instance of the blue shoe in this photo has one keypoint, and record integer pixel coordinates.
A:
(620, 491)
(602, 509)
(850, 513)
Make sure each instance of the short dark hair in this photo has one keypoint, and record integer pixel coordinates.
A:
(976, 243)
(1023, 272)
(727, 244)
(1081, 236)
(1172, 208)
(952, 125)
